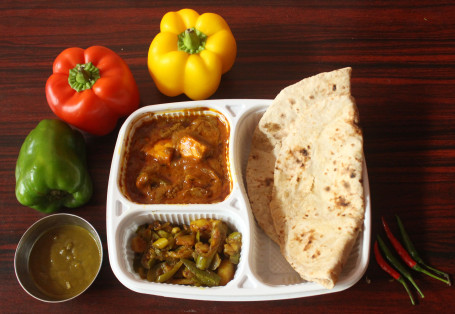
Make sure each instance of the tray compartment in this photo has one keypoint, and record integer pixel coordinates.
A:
(147, 116)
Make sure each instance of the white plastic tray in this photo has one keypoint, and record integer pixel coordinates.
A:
(262, 274)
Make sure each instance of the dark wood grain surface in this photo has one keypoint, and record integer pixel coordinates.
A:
(403, 59)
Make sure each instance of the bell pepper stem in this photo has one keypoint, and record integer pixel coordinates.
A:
(83, 76)
(191, 41)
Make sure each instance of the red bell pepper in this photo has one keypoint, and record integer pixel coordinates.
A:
(91, 89)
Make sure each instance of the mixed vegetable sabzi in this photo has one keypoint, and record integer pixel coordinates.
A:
(205, 253)
(51, 169)
(409, 255)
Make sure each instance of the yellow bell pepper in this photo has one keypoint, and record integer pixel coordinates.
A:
(190, 53)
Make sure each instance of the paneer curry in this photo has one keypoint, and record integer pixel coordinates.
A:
(178, 160)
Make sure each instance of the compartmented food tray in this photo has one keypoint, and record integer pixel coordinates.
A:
(262, 273)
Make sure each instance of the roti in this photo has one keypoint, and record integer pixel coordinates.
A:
(309, 143)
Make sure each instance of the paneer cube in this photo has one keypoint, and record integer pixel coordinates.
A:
(162, 151)
(189, 147)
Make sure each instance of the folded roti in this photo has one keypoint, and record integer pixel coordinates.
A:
(316, 202)
(259, 178)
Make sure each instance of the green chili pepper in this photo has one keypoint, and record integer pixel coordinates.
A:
(397, 264)
(206, 277)
(391, 271)
(413, 252)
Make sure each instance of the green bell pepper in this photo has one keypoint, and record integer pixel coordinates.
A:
(51, 169)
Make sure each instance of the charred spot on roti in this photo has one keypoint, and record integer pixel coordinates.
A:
(346, 185)
(316, 254)
(341, 201)
(304, 152)
(310, 240)
(272, 127)
(311, 97)
(334, 87)
(327, 188)
(291, 101)
(268, 181)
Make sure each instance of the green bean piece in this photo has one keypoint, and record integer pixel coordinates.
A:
(233, 246)
(216, 261)
(154, 236)
(169, 274)
(206, 277)
(153, 272)
(203, 262)
(161, 243)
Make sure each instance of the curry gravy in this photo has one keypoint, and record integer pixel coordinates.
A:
(178, 160)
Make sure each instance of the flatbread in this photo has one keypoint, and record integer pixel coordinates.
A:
(259, 178)
(316, 201)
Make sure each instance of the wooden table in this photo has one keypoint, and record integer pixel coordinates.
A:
(403, 59)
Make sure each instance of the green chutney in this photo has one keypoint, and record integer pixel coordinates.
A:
(64, 261)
